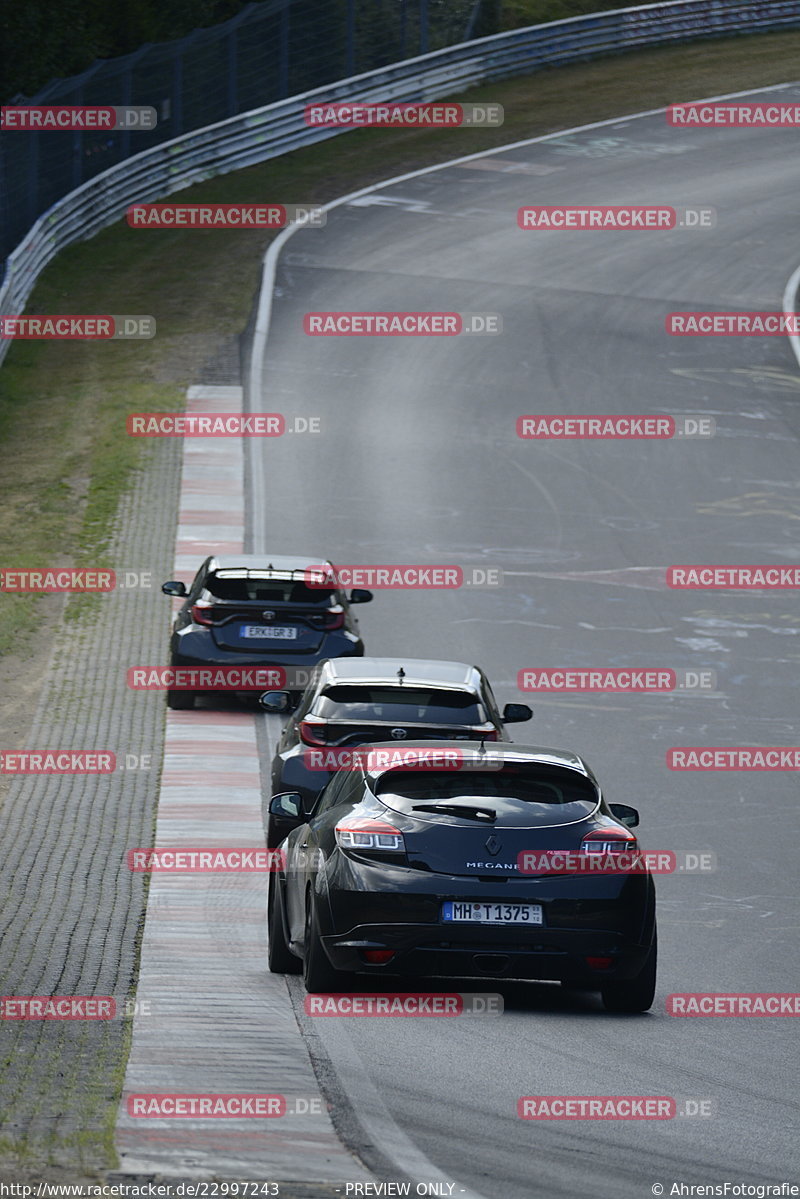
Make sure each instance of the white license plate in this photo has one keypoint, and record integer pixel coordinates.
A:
(469, 912)
(271, 631)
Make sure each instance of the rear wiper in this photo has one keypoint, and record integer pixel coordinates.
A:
(457, 809)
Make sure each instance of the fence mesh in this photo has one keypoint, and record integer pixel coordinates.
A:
(268, 51)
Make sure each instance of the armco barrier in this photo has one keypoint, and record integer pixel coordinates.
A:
(275, 129)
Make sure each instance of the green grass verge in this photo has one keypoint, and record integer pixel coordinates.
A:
(67, 460)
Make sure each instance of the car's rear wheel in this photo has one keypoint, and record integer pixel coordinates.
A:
(318, 973)
(635, 994)
(180, 701)
(280, 958)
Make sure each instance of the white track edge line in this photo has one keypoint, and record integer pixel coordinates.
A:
(790, 309)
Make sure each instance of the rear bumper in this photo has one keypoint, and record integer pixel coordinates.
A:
(200, 650)
(469, 952)
(611, 917)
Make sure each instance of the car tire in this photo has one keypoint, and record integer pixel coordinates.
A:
(318, 973)
(180, 701)
(635, 994)
(280, 958)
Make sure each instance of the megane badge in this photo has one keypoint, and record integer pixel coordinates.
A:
(493, 846)
(399, 734)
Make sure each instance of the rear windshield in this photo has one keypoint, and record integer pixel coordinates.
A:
(410, 704)
(540, 785)
(237, 585)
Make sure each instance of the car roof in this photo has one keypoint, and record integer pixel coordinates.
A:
(280, 563)
(534, 755)
(455, 676)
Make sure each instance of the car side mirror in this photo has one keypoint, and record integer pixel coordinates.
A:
(175, 588)
(275, 701)
(516, 713)
(624, 814)
(360, 595)
(289, 805)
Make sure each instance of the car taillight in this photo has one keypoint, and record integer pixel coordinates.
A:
(605, 841)
(312, 730)
(201, 612)
(484, 732)
(333, 619)
(363, 835)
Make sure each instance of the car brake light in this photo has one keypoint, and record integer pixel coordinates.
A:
(312, 730)
(333, 620)
(377, 957)
(486, 732)
(598, 963)
(369, 836)
(201, 612)
(605, 841)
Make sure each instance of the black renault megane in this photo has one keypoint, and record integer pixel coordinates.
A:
(466, 861)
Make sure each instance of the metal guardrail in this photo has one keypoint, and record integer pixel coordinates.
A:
(264, 133)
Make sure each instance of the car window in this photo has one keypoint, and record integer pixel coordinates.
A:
(198, 581)
(491, 702)
(345, 788)
(549, 785)
(329, 797)
(308, 696)
(250, 586)
(352, 702)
